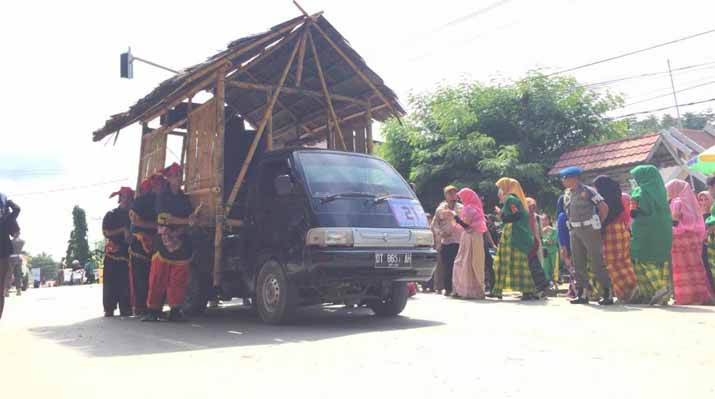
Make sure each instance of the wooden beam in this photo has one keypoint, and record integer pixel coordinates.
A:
(145, 128)
(269, 139)
(263, 55)
(259, 134)
(292, 114)
(281, 133)
(162, 109)
(368, 128)
(326, 93)
(292, 90)
(218, 165)
(185, 142)
(357, 70)
(301, 58)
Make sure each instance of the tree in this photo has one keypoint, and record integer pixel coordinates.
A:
(651, 124)
(77, 245)
(48, 266)
(472, 134)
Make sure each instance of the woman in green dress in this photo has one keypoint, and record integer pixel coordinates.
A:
(651, 235)
(511, 266)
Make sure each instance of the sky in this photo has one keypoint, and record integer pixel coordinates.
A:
(60, 71)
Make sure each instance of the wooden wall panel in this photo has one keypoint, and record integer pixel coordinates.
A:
(201, 179)
(153, 154)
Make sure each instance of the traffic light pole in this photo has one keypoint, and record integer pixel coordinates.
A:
(135, 58)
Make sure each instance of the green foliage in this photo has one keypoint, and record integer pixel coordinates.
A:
(48, 266)
(77, 245)
(472, 134)
(652, 124)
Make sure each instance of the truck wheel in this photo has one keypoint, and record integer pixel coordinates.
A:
(275, 296)
(393, 305)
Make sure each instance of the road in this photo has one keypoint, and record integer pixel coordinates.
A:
(55, 344)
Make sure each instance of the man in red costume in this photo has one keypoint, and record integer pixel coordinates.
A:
(169, 276)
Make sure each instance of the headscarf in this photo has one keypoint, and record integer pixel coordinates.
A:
(473, 210)
(650, 182)
(691, 220)
(511, 186)
(708, 199)
(610, 190)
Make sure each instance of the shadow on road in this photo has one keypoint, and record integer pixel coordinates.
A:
(230, 326)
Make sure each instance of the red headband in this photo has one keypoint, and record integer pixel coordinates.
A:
(173, 169)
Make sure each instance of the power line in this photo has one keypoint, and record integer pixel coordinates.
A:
(72, 188)
(650, 111)
(670, 93)
(632, 53)
(471, 15)
(649, 74)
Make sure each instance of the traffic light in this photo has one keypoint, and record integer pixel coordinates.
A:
(126, 65)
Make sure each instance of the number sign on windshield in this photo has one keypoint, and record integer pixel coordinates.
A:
(408, 213)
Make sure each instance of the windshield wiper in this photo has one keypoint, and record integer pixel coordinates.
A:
(389, 196)
(349, 194)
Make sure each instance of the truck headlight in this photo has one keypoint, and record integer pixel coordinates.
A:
(330, 237)
(423, 238)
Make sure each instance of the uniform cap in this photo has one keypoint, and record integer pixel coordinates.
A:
(571, 171)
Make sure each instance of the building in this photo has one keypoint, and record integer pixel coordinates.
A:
(669, 150)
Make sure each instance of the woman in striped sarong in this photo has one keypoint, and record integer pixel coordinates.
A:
(690, 281)
(617, 240)
(511, 265)
(651, 235)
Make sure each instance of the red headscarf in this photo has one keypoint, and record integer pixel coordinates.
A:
(473, 210)
(172, 169)
(123, 191)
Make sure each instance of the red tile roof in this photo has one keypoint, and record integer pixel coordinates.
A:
(703, 138)
(608, 155)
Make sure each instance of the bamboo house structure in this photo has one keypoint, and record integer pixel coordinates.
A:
(299, 83)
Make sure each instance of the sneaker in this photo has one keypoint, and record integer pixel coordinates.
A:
(177, 315)
(579, 301)
(214, 304)
(151, 315)
(607, 298)
(659, 296)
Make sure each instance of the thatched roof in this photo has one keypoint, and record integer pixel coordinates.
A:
(293, 107)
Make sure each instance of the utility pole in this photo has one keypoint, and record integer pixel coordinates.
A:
(675, 97)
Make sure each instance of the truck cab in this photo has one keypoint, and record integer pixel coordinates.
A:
(326, 227)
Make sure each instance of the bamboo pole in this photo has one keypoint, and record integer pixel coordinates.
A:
(368, 127)
(187, 136)
(218, 152)
(259, 133)
(292, 90)
(264, 54)
(326, 93)
(145, 128)
(357, 70)
(269, 139)
(281, 133)
(292, 114)
(301, 58)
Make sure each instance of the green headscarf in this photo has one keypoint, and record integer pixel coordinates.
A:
(652, 229)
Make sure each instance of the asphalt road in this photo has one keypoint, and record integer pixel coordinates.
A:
(55, 344)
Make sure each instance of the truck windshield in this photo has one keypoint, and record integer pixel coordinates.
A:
(329, 174)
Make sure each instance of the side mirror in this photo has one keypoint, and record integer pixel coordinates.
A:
(283, 185)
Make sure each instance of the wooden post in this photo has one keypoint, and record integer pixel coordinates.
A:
(326, 93)
(259, 134)
(145, 129)
(368, 127)
(185, 141)
(269, 139)
(301, 58)
(329, 135)
(218, 153)
(357, 70)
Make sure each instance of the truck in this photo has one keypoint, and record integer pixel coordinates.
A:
(275, 136)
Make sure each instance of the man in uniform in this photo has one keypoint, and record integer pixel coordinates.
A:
(169, 276)
(115, 227)
(143, 242)
(586, 211)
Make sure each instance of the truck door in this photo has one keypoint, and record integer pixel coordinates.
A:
(279, 219)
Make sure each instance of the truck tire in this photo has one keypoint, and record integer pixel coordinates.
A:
(392, 306)
(276, 297)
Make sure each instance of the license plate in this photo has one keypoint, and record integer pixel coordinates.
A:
(392, 259)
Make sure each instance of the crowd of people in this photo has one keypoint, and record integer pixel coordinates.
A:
(148, 251)
(647, 247)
